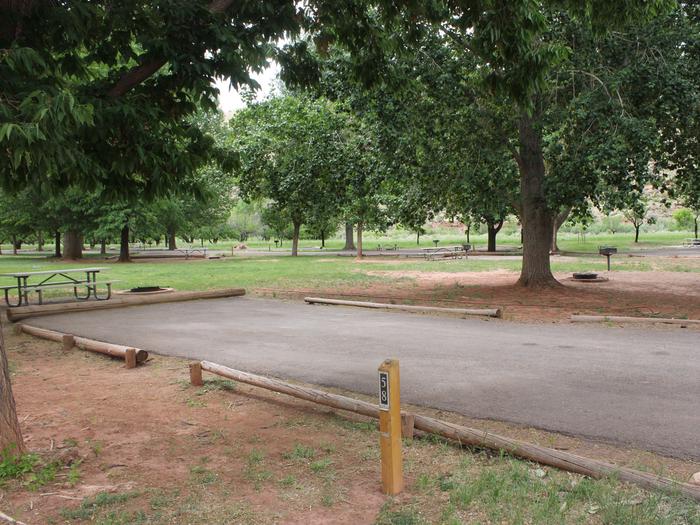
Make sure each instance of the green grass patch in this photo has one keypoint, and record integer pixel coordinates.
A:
(15, 466)
(504, 490)
(90, 507)
(300, 453)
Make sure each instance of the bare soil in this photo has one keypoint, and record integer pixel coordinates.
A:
(631, 293)
(172, 453)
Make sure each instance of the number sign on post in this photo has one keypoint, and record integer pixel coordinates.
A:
(390, 426)
(383, 390)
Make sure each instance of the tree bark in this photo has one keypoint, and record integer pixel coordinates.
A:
(696, 227)
(359, 239)
(57, 244)
(295, 238)
(636, 232)
(493, 227)
(349, 241)
(40, 241)
(103, 247)
(14, 245)
(172, 244)
(72, 245)
(124, 244)
(537, 219)
(418, 238)
(558, 221)
(323, 239)
(10, 433)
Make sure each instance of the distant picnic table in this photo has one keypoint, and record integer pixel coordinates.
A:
(691, 242)
(454, 252)
(51, 280)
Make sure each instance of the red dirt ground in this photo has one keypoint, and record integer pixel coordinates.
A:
(658, 293)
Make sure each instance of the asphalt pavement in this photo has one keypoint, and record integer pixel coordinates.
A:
(634, 386)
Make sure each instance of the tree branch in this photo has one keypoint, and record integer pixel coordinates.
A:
(139, 73)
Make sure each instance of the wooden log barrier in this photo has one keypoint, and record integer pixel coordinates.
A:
(488, 312)
(109, 348)
(22, 312)
(468, 436)
(85, 343)
(309, 394)
(577, 318)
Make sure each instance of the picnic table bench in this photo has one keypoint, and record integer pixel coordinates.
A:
(691, 242)
(454, 252)
(49, 282)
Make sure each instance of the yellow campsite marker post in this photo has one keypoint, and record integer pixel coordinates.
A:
(390, 426)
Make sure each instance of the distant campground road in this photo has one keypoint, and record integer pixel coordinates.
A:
(633, 386)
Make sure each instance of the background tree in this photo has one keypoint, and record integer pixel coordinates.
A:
(687, 219)
(291, 152)
(638, 215)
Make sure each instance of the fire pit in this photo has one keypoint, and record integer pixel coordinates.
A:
(146, 290)
(588, 277)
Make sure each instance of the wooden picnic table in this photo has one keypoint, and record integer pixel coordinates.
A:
(49, 281)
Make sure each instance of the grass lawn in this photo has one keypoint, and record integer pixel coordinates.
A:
(567, 241)
(311, 272)
(570, 242)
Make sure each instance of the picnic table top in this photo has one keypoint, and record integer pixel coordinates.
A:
(53, 272)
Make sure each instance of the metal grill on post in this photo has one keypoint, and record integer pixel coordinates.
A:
(608, 251)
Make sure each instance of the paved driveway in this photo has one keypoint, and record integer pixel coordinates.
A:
(635, 386)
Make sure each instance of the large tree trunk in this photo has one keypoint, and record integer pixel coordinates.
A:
(493, 228)
(103, 247)
(40, 241)
(10, 433)
(14, 245)
(537, 219)
(696, 227)
(124, 244)
(349, 241)
(72, 245)
(57, 244)
(323, 239)
(559, 220)
(636, 232)
(418, 238)
(295, 238)
(172, 245)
